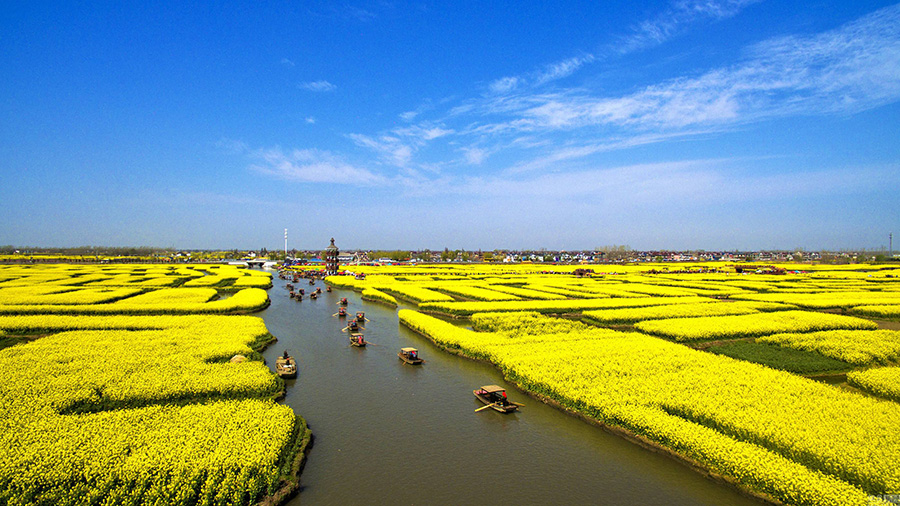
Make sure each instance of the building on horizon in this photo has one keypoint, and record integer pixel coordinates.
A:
(330, 256)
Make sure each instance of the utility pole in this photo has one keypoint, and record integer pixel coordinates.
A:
(285, 244)
(891, 243)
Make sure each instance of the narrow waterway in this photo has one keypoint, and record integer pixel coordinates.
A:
(390, 433)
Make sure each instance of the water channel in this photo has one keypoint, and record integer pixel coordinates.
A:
(389, 433)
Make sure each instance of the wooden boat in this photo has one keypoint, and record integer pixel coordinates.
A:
(352, 325)
(286, 366)
(495, 398)
(360, 317)
(357, 340)
(328, 289)
(314, 295)
(343, 301)
(410, 356)
(342, 312)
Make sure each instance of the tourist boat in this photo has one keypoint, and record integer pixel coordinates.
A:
(290, 287)
(357, 340)
(495, 398)
(314, 295)
(360, 317)
(318, 290)
(410, 356)
(328, 289)
(286, 366)
(343, 301)
(352, 325)
(342, 312)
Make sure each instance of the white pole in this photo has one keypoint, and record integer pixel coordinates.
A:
(285, 244)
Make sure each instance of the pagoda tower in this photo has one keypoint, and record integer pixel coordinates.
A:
(331, 259)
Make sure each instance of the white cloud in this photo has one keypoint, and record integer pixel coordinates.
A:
(398, 147)
(311, 120)
(849, 69)
(310, 166)
(286, 62)
(391, 149)
(504, 84)
(562, 69)
(475, 156)
(672, 21)
(318, 86)
(424, 133)
(651, 32)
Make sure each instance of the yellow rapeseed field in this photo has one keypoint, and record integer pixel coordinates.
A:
(110, 408)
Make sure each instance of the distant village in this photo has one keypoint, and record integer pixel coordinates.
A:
(610, 254)
(360, 257)
(597, 256)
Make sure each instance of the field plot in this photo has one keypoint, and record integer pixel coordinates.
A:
(765, 428)
(883, 381)
(861, 347)
(633, 315)
(101, 406)
(731, 327)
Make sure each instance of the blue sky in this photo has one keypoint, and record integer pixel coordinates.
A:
(681, 124)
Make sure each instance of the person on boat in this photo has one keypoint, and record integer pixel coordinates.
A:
(286, 356)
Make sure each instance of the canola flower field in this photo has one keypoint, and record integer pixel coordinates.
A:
(625, 346)
(118, 388)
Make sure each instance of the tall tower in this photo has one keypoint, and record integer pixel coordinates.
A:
(331, 259)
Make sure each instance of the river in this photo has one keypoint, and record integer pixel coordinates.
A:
(390, 433)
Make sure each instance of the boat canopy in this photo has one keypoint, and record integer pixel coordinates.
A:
(408, 350)
(492, 389)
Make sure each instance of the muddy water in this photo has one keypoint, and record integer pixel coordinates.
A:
(390, 433)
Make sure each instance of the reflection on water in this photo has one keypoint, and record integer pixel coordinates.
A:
(390, 433)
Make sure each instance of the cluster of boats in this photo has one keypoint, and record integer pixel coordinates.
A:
(354, 324)
(298, 294)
